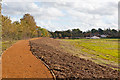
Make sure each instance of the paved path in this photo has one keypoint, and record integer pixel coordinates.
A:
(18, 62)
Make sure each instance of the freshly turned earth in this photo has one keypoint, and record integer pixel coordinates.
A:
(19, 62)
(65, 65)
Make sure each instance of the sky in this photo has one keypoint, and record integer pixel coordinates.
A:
(65, 14)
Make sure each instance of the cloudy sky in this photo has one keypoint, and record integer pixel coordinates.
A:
(65, 14)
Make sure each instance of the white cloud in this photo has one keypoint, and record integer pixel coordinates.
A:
(58, 1)
(14, 19)
(18, 8)
(67, 14)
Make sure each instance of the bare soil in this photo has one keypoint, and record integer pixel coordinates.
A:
(19, 62)
(65, 65)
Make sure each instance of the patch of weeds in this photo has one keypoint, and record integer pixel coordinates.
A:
(7, 44)
(103, 49)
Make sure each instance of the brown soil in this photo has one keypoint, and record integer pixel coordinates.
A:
(65, 65)
(18, 62)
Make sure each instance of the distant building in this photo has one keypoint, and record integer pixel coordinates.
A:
(95, 37)
(87, 37)
(66, 37)
(103, 36)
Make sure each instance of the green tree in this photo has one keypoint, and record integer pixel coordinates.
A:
(43, 32)
(100, 31)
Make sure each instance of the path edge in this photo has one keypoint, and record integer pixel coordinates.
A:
(54, 77)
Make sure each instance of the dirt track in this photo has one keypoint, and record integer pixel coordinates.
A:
(65, 65)
(18, 62)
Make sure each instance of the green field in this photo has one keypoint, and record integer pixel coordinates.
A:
(103, 51)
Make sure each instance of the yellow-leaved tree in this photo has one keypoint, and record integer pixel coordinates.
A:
(28, 26)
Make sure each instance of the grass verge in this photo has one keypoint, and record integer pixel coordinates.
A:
(7, 44)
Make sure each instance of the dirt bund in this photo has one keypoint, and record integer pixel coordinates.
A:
(65, 65)
(19, 62)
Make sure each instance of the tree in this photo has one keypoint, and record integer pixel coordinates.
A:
(17, 30)
(93, 31)
(100, 31)
(29, 26)
(76, 33)
(6, 27)
(26, 28)
(43, 32)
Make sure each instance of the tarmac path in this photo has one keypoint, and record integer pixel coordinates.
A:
(19, 62)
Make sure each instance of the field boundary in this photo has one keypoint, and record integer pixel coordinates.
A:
(54, 77)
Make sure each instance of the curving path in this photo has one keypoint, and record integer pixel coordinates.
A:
(18, 62)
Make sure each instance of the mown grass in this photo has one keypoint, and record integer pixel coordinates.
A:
(104, 49)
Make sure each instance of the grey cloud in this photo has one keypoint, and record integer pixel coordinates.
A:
(119, 15)
(103, 9)
(20, 8)
(79, 13)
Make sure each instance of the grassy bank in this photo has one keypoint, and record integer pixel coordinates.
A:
(103, 51)
(7, 44)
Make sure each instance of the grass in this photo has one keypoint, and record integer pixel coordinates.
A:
(7, 44)
(103, 51)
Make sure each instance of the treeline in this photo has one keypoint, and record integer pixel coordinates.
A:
(27, 28)
(24, 29)
(77, 33)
